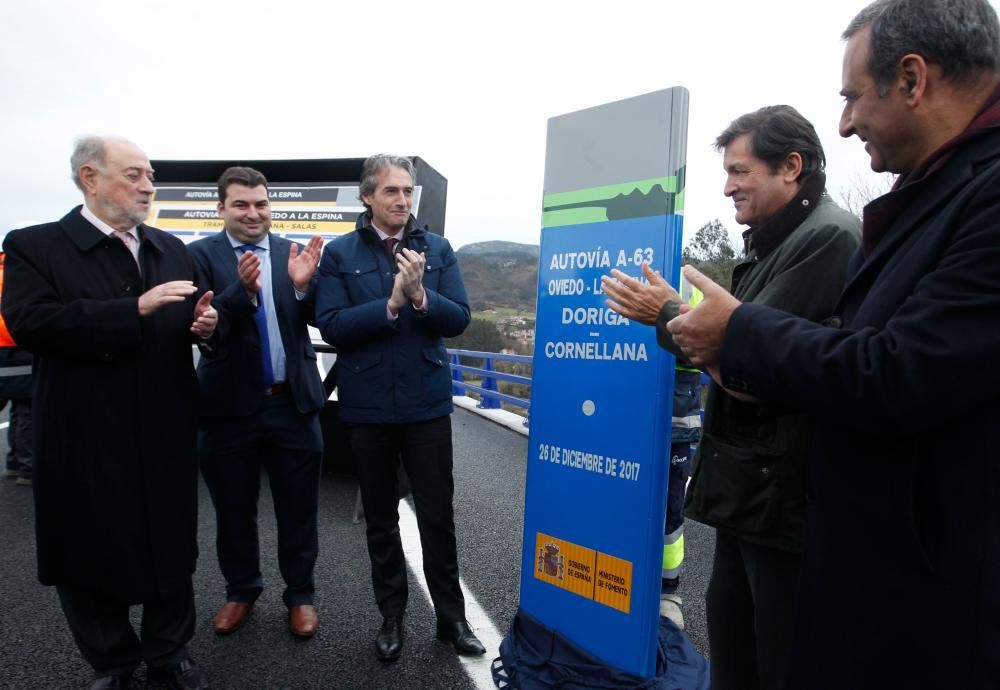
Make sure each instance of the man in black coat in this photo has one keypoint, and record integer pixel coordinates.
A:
(260, 400)
(901, 573)
(109, 308)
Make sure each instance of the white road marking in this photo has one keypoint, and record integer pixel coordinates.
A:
(4, 425)
(477, 667)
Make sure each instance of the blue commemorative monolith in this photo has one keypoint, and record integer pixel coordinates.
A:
(601, 388)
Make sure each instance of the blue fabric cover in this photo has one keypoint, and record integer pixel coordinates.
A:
(533, 657)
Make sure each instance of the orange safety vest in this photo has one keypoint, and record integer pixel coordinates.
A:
(5, 339)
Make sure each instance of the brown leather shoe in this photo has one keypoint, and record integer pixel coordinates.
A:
(231, 617)
(303, 621)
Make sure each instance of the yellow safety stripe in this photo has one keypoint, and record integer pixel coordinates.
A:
(673, 555)
(689, 293)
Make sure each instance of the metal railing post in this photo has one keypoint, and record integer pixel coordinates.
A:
(487, 378)
(456, 375)
(487, 402)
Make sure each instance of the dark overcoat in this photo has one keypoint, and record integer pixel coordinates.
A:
(901, 584)
(115, 474)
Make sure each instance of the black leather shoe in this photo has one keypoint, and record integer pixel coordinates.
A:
(389, 643)
(183, 675)
(122, 681)
(461, 637)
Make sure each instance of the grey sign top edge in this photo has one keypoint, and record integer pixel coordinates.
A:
(638, 138)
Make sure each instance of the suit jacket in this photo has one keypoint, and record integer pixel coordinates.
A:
(231, 383)
(115, 474)
(901, 583)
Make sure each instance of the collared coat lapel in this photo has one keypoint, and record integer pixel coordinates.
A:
(863, 272)
(225, 257)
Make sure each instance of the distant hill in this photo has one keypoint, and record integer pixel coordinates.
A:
(500, 274)
(499, 247)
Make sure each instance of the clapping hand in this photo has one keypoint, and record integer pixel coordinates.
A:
(302, 265)
(248, 268)
(636, 300)
(699, 332)
(408, 284)
(205, 317)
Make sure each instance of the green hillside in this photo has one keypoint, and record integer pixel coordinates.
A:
(500, 275)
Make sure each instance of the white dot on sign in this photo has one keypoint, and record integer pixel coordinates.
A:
(588, 407)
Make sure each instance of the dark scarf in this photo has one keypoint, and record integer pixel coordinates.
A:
(765, 238)
(880, 214)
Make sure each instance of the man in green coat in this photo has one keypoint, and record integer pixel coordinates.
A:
(749, 479)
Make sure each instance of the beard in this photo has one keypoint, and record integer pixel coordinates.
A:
(127, 215)
(136, 216)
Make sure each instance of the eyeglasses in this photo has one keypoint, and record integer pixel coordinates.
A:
(133, 175)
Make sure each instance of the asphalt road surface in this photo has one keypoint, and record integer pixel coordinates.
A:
(37, 651)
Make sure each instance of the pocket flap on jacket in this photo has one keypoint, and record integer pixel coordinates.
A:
(359, 268)
(437, 356)
(433, 262)
(735, 488)
(356, 362)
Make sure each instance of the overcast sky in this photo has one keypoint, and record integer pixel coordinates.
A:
(468, 86)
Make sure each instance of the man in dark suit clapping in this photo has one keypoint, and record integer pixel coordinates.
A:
(260, 400)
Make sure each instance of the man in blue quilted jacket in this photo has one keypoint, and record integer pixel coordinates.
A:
(388, 295)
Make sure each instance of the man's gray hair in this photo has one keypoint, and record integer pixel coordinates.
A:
(961, 37)
(374, 165)
(88, 149)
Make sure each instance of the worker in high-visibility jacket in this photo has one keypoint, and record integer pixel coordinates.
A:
(15, 386)
(685, 431)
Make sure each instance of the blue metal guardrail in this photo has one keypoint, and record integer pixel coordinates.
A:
(490, 396)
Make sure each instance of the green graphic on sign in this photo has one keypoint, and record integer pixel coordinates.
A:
(654, 197)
